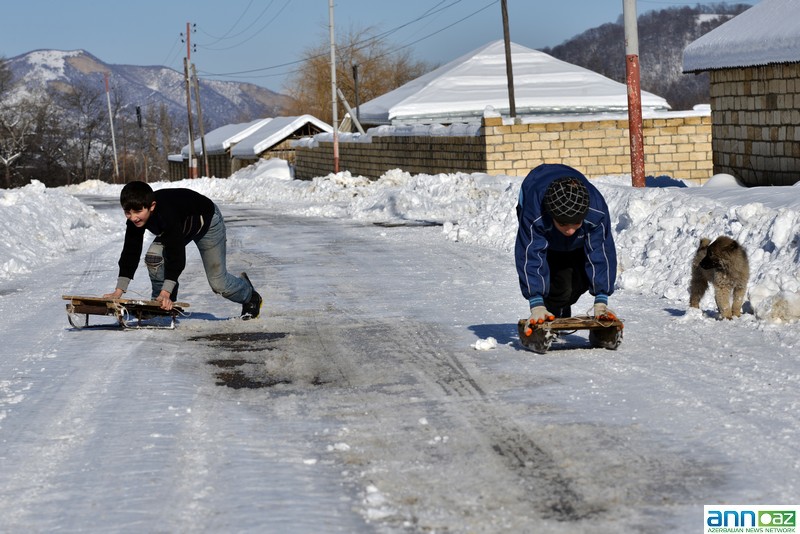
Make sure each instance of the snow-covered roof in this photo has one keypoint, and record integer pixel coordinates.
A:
(272, 133)
(219, 140)
(768, 32)
(463, 88)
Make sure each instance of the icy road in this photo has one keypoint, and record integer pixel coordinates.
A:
(358, 402)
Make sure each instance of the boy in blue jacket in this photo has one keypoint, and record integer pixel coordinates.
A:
(564, 244)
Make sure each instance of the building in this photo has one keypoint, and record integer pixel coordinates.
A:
(461, 90)
(753, 62)
(234, 146)
(455, 119)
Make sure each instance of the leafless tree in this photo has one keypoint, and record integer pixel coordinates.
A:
(381, 68)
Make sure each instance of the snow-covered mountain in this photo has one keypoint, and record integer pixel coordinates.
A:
(143, 86)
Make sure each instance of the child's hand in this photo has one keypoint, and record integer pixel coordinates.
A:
(165, 300)
(117, 294)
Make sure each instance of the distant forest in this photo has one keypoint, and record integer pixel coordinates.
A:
(663, 35)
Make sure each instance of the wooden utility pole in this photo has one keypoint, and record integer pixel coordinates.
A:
(192, 157)
(634, 93)
(333, 92)
(200, 120)
(512, 106)
(355, 84)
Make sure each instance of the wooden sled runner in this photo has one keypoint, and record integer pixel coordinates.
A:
(129, 313)
(605, 334)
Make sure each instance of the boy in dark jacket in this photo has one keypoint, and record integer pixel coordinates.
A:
(564, 245)
(178, 217)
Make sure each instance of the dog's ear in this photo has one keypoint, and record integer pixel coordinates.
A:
(704, 242)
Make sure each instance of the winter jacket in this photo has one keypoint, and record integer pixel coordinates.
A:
(180, 216)
(537, 234)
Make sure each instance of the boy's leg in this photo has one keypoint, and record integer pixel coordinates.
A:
(212, 249)
(154, 260)
(568, 281)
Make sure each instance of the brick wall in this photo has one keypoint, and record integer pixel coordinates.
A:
(678, 146)
(756, 114)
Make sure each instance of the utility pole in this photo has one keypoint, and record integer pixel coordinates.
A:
(113, 139)
(192, 158)
(634, 93)
(512, 106)
(200, 120)
(333, 92)
(355, 84)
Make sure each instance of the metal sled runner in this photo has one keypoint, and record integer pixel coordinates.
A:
(129, 313)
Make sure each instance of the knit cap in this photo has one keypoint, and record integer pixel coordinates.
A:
(567, 200)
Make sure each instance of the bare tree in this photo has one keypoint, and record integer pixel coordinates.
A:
(381, 68)
(87, 154)
(16, 126)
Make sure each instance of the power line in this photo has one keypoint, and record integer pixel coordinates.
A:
(264, 27)
(226, 34)
(360, 44)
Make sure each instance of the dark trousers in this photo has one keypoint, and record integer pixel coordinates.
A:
(568, 281)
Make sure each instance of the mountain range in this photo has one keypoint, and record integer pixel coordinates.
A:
(143, 86)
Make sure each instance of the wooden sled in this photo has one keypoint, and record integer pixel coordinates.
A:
(605, 334)
(129, 313)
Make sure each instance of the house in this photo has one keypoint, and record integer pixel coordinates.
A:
(753, 62)
(455, 119)
(234, 146)
(461, 90)
(274, 139)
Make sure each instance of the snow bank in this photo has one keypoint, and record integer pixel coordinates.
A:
(657, 229)
(42, 224)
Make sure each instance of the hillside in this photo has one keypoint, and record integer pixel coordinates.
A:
(147, 87)
(663, 35)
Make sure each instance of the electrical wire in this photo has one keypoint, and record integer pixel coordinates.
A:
(364, 43)
(264, 27)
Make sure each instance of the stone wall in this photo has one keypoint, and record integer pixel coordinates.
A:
(756, 113)
(414, 154)
(677, 146)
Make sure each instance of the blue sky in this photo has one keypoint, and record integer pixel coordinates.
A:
(258, 40)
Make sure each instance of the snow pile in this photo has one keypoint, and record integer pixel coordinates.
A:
(656, 229)
(42, 224)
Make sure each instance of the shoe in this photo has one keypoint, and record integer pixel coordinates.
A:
(252, 307)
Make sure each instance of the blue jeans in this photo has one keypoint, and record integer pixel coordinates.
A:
(212, 252)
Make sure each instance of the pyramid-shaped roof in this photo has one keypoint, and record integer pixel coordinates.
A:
(461, 90)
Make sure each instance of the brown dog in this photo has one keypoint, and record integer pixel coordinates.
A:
(724, 264)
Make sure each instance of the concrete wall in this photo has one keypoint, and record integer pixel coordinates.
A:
(678, 146)
(756, 115)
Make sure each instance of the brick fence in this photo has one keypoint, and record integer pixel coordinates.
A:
(676, 145)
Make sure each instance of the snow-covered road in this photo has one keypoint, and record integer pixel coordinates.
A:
(357, 403)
